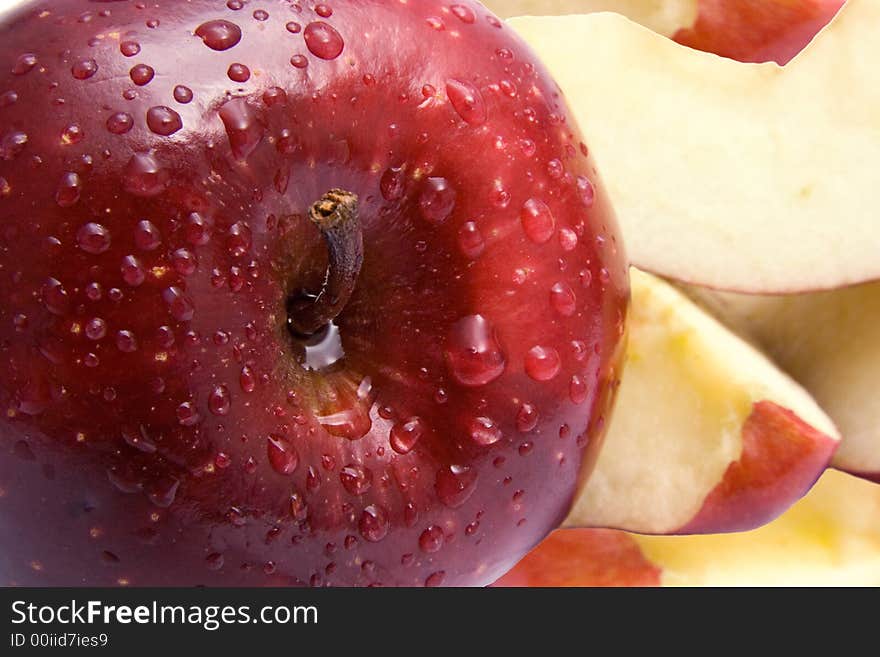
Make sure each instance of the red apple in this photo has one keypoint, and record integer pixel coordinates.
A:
(216, 372)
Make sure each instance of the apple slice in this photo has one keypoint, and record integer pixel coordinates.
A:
(663, 16)
(708, 434)
(828, 342)
(746, 177)
(830, 538)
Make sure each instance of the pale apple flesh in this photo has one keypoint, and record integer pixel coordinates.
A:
(829, 538)
(756, 190)
(708, 435)
(828, 342)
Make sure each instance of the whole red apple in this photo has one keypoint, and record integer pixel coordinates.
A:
(292, 293)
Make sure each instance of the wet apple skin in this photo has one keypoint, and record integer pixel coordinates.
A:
(145, 457)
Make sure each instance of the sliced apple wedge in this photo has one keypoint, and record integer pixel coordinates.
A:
(828, 342)
(707, 436)
(746, 177)
(830, 538)
(662, 16)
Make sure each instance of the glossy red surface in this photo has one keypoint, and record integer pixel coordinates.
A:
(160, 425)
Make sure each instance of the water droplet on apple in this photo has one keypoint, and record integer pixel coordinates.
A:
(526, 418)
(435, 579)
(220, 401)
(72, 134)
(542, 363)
(405, 435)
(12, 144)
(180, 307)
(69, 190)
(473, 354)
(467, 101)
(126, 342)
(133, 272)
(93, 238)
(214, 561)
(24, 63)
(353, 423)
(163, 492)
(188, 415)
(219, 34)
(431, 540)
(470, 240)
(238, 73)
(141, 74)
(129, 48)
(183, 94)
(577, 390)
(198, 229)
(293, 27)
(537, 221)
(586, 191)
(323, 40)
(238, 242)
(84, 69)
(139, 439)
(463, 13)
(283, 458)
(244, 130)
(120, 123)
(163, 120)
(184, 262)
(563, 299)
(247, 379)
(484, 431)
(392, 184)
(144, 176)
(455, 484)
(299, 61)
(356, 479)
(96, 329)
(373, 524)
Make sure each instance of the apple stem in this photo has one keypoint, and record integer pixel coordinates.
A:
(336, 216)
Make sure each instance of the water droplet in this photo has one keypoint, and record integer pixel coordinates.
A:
(568, 239)
(69, 190)
(198, 229)
(153, 23)
(180, 307)
(299, 61)
(563, 299)
(129, 48)
(126, 342)
(373, 524)
(392, 183)
(435, 579)
(91, 360)
(577, 390)
(293, 27)
(437, 200)
(283, 458)
(586, 191)
(183, 94)
(133, 272)
(93, 238)
(555, 169)
(96, 329)
(484, 431)
(55, 297)
(163, 120)
(405, 435)
(323, 40)
(526, 448)
(235, 5)
(247, 379)
(261, 15)
(220, 401)
(463, 13)
(242, 127)
(470, 240)
(214, 561)
(431, 540)
(219, 34)
(139, 439)
(147, 236)
(274, 96)
(188, 415)
(542, 363)
(163, 492)
(467, 101)
(24, 63)
(142, 74)
(526, 418)
(356, 479)
(120, 123)
(184, 262)
(84, 69)
(537, 221)
(12, 144)
(238, 73)
(72, 134)
(238, 242)
(144, 176)
(472, 353)
(8, 98)
(455, 484)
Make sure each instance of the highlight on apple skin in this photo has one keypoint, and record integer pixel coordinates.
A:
(708, 435)
(188, 191)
